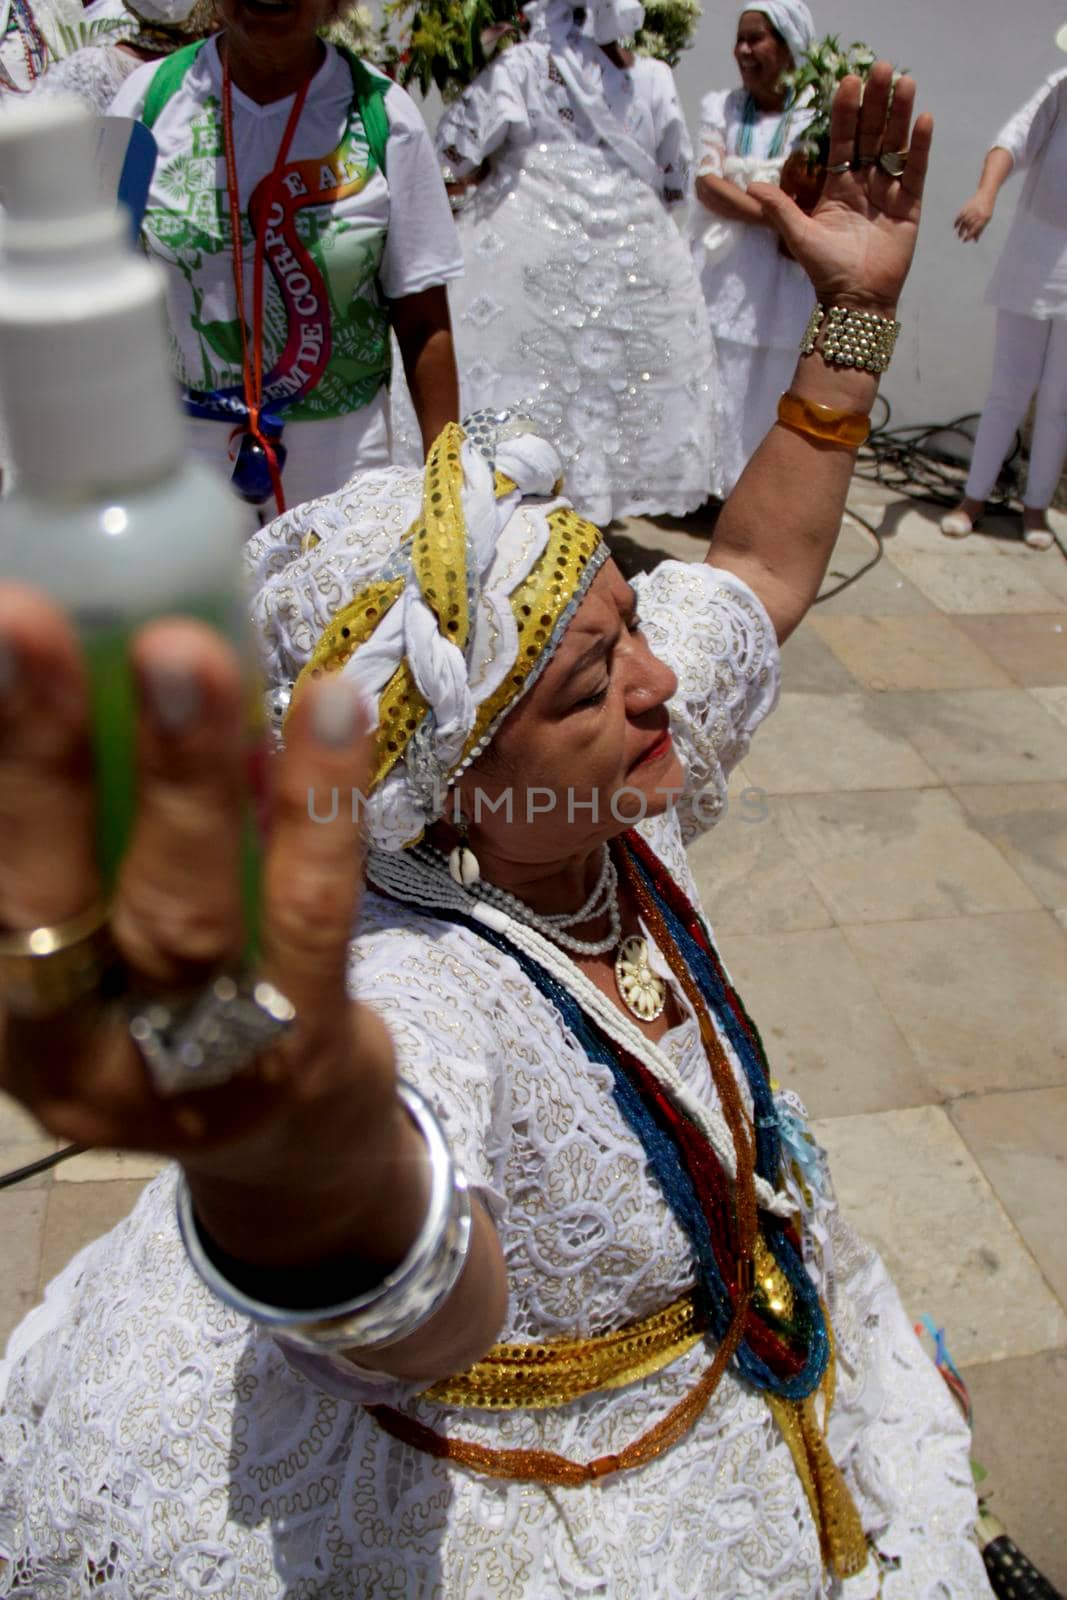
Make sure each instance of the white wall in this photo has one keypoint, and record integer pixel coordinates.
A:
(976, 61)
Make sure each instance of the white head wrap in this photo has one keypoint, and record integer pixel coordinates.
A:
(608, 20)
(309, 564)
(552, 23)
(793, 21)
(605, 20)
(166, 12)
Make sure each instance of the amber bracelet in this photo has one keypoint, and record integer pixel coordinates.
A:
(848, 428)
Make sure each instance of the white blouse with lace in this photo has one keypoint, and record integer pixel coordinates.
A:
(156, 1445)
(754, 294)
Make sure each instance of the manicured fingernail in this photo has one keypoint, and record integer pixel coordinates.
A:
(336, 712)
(9, 668)
(173, 693)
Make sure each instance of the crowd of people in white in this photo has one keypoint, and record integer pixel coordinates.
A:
(633, 300)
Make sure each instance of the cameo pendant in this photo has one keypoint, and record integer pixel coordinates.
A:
(643, 992)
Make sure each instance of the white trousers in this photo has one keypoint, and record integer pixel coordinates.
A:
(1030, 358)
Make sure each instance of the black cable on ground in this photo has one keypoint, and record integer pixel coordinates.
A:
(30, 1171)
(854, 577)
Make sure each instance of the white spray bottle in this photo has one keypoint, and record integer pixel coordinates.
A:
(106, 516)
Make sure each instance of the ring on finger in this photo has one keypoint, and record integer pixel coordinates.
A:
(840, 166)
(203, 1041)
(893, 162)
(44, 970)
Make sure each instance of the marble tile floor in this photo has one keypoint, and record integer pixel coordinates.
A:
(889, 888)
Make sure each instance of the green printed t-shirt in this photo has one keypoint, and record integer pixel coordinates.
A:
(340, 243)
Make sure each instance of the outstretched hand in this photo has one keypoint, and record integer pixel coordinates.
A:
(176, 915)
(857, 245)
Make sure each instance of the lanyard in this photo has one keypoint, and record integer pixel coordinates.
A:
(252, 371)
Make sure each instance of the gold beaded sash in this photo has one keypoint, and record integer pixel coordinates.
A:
(536, 1376)
(513, 1377)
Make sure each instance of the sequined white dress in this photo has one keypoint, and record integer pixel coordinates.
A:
(158, 1446)
(578, 303)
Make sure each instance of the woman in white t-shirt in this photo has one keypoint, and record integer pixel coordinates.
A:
(1029, 290)
(758, 300)
(343, 217)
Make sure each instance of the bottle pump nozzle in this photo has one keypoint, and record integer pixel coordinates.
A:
(84, 370)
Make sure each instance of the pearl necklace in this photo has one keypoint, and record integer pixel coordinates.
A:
(642, 991)
(604, 901)
(413, 876)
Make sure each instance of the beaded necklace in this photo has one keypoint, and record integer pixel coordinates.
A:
(782, 1350)
(21, 21)
(749, 118)
(753, 1290)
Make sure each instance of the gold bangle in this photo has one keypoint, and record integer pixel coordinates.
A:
(848, 428)
(845, 337)
(43, 970)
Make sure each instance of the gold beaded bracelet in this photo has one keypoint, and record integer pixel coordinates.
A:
(848, 428)
(846, 337)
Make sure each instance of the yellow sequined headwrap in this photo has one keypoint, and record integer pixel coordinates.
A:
(441, 565)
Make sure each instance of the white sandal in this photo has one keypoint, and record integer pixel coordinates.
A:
(956, 525)
(1038, 538)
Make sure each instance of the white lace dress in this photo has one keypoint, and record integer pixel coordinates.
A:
(157, 1445)
(758, 301)
(95, 75)
(578, 302)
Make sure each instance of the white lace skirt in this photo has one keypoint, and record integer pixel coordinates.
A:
(579, 305)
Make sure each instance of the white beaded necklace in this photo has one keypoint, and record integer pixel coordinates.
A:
(604, 901)
(413, 876)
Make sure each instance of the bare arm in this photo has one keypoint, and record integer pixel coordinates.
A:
(975, 216)
(778, 527)
(725, 199)
(423, 329)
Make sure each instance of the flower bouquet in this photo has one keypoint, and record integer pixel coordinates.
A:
(354, 28)
(448, 42)
(813, 83)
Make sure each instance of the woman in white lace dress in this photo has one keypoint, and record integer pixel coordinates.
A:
(758, 299)
(578, 304)
(601, 1364)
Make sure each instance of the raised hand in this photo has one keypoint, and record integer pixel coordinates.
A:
(857, 245)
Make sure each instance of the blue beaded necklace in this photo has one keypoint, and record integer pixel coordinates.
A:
(749, 119)
(663, 1152)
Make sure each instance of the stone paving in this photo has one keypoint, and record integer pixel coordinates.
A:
(890, 893)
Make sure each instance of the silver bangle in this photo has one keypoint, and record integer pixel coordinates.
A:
(406, 1298)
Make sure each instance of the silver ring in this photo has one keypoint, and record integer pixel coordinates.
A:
(200, 1043)
(840, 166)
(893, 162)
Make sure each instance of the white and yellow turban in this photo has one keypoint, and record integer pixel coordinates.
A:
(441, 595)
